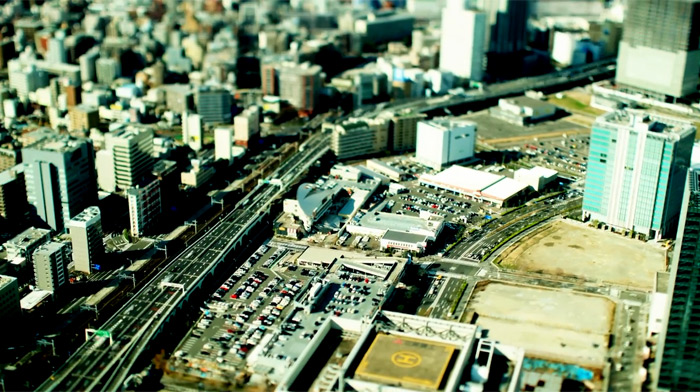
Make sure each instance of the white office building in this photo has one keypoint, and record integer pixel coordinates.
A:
(86, 236)
(192, 130)
(441, 142)
(57, 49)
(223, 144)
(462, 42)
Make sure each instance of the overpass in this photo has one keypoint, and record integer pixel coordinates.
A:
(105, 360)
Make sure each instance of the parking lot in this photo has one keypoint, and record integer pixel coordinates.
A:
(254, 299)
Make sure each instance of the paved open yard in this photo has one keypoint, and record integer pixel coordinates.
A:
(556, 325)
(566, 248)
(491, 129)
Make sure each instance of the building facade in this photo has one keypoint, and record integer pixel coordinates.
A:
(462, 42)
(192, 130)
(354, 138)
(300, 85)
(402, 131)
(51, 266)
(636, 171)
(223, 144)
(13, 197)
(108, 70)
(664, 36)
(144, 207)
(214, 106)
(441, 142)
(679, 345)
(126, 158)
(86, 236)
(9, 299)
(59, 173)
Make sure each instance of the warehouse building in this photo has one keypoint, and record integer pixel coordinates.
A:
(481, 186)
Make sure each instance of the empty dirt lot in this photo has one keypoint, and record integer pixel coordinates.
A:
(556, 325)
(571, 249)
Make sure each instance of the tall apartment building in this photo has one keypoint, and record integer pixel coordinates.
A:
(51, 266)
(660, 48)
(441, 142)
(107, 70)
(462, 41)
(355, 137)
(637, 167)
(246, 126)
(144, 207)
(300, 85)
(268, 79)
(192, 130)
(86, 236)
(83, 118)
(88, 65)
(56, 52)
(126, 158)
(214, 106)
(59, 172)
(679, 343)
(9, 157)
(13, 196)
(402, 131)
(9, 299)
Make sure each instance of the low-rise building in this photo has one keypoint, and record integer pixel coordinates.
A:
(478, 185)
(523, 110)
(537, 177)
(198, 174)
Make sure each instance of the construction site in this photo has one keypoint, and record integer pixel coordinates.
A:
(550, 324)
(592, 255)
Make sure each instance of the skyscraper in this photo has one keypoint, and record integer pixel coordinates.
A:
(59, 173)
(660, 48)
(462, 41)
(636, 171)
(506, 24)
(51, 266)
(86, 237)
(679, 344)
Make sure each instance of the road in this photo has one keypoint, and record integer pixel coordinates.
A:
(584, 73)
(99, 365)
(472, 248)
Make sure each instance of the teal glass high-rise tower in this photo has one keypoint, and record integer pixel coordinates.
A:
(637, 167)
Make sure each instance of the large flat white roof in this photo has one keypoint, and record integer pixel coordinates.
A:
(475, 183)
(504, 189)
(463, 179)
